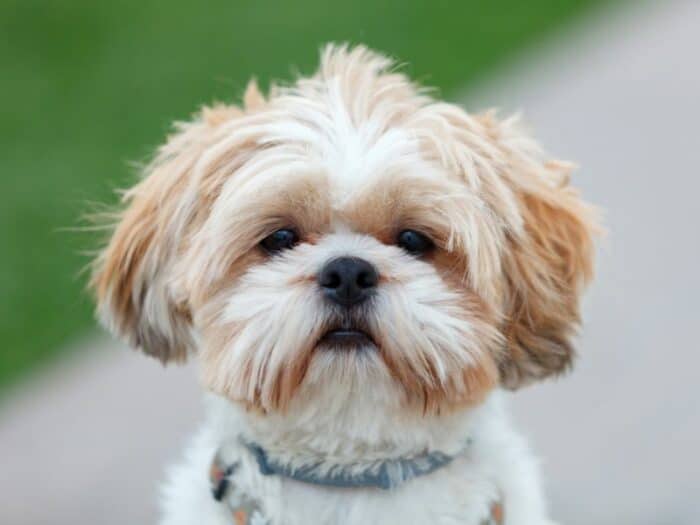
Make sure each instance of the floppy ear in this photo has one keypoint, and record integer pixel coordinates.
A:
(546, 265)
(139, 295)
(545, 244)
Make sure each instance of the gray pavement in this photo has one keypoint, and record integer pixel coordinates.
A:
(619, 437)
(87, 442)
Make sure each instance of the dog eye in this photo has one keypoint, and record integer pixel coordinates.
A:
(414, 242)
(280, 240)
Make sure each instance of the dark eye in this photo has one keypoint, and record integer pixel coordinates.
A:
(280, 240)
(414, 242)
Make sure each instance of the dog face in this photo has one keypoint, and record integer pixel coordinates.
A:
(350, 234)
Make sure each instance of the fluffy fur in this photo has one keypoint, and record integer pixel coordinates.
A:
(349, 158)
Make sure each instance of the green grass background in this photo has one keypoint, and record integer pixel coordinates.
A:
(88, 86)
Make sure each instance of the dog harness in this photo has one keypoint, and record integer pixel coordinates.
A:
(386, 475)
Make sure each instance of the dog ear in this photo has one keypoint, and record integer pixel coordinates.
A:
(546, 265)
(138, 292)
(545, 246)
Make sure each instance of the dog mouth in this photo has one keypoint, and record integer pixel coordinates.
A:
(346, 338)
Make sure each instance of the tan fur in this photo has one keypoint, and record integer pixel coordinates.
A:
(546, 270)
(150, 233)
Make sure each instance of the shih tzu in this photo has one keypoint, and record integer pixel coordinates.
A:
(359, 270)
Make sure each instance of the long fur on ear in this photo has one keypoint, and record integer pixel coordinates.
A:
(547, 252)
(546, 266)
(132, 276)
(140, 297)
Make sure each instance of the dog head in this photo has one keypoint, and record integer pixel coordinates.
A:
(349, 232)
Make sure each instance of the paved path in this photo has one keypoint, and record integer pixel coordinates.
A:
(618, 438)
(87, 444)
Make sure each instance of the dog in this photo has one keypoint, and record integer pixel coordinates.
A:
(360, 270)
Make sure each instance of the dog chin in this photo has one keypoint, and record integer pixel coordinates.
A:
(347, 354)
(344, 378)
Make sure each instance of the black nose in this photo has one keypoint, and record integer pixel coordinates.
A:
(348, 280)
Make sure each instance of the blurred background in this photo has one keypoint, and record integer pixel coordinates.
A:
(88, 89)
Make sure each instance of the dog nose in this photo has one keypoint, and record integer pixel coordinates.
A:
(348, 280)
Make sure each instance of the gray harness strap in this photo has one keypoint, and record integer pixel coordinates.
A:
(388, 474)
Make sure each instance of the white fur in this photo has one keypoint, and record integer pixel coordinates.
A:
(497, 465)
